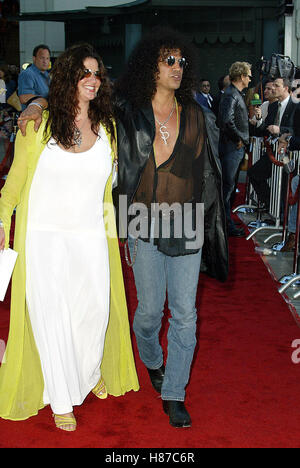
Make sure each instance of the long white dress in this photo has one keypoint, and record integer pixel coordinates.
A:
(67, 269)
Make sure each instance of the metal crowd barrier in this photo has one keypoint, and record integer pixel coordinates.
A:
(258, 146)
(276, 201)
(294, 170)
(293, 279)
(275, 183)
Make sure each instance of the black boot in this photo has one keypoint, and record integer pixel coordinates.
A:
(179, 417)
(157, 377)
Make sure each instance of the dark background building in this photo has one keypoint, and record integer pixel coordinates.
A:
(9, 32)
(222, 30)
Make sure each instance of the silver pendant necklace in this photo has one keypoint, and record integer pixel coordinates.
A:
(162, 125)
(77, 137)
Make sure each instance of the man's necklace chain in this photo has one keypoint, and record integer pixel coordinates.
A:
(162, 125)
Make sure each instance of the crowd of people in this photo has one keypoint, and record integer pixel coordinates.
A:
(160, 143)
(276, 114)
(8, 87)
(17, 89)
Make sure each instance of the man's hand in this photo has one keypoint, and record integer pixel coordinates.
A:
(282, 146)
(274, 129)
(284, 136)
(31, 113)
(257, 112)
(240, 144)
(282, 142)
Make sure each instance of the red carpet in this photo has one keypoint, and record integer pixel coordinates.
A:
(243, 390)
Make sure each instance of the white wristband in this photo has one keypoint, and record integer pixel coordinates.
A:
(36, 104)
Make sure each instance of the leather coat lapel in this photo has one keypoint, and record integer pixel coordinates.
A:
(148, 113)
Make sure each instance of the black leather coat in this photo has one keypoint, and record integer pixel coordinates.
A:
(135, 134)
(233, 116)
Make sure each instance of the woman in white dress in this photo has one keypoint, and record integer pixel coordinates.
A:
(67, 261)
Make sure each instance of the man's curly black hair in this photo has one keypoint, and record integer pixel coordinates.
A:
(138, 82)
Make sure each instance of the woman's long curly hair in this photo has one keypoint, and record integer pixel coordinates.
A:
(63, 102)
(138, 83)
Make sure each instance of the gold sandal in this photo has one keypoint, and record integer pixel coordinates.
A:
(62, 422)
(100, 390)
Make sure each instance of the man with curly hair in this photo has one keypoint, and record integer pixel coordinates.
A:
(168, 155)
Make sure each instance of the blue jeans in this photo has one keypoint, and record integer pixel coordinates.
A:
(155, 274)
(231, 158)
(294, 208)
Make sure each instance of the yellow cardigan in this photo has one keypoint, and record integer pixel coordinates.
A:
(21, 379)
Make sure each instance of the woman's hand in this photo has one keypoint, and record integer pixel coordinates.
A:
(2, 238)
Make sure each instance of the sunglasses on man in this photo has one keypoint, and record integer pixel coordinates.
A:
(171, 60)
